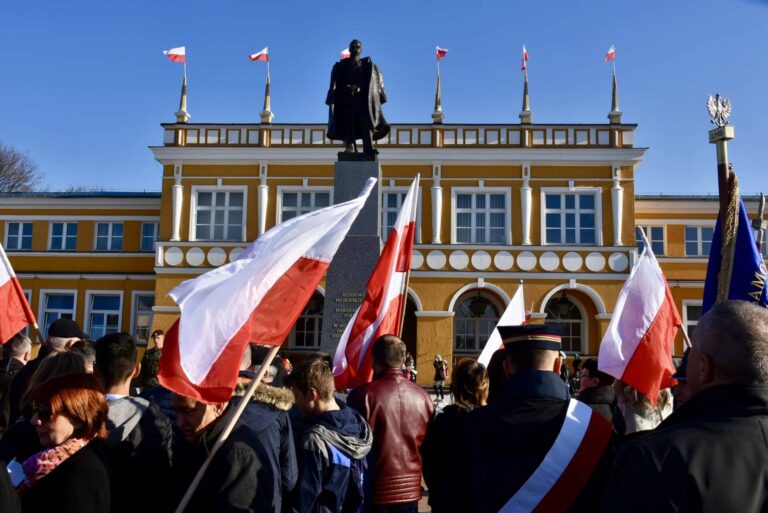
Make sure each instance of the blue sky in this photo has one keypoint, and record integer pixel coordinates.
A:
(84, 85)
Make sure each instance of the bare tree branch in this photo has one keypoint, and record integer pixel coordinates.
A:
(18, 172)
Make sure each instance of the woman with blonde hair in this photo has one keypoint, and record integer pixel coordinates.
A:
(638, 411)
(469, 386)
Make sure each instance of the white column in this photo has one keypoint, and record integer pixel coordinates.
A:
(437, 204)
(263, 197)
(178, 200)
(617, 195)
(526, 202)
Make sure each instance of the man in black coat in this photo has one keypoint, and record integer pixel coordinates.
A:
(16, 353)
(596, 390)
(514, 440)
(710, 455)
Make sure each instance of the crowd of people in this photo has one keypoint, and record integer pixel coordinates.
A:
(86, 427)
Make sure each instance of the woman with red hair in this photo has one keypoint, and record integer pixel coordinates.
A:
(70, 473)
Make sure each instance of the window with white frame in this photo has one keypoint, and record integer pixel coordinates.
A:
(655, 235)
(63, 236)
(391, 202)
(475, 317)
(103, 314)
(109, 236)
(698, 240)
(294, 203)
(564, 310)
(149, 232)
(142, 316)
(18, 236)
(28, 295)
(57, 305)
(571, 218)
(691, 316)
(219, 215)
(481, 217)
(308, 329)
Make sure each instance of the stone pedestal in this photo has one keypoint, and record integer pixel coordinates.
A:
(352, 265)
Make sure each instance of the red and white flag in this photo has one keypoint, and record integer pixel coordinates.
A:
(441, 52)
(15, 313)
(637, 347)
(176, 54)
(382, 309)
(514, 315)
(257, 298)
(263, 55)
(611, 55)
(524, 64)
(344, 54)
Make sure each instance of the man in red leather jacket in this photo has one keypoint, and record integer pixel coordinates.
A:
(398, 412)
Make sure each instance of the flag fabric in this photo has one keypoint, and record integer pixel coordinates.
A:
(15, 313)
(747, 274)
(441, 52)
(637, 347)
(514, 315)
(176, 54)
(611, 55)
(263, 55)
(382, 309)
(524, 64)
(256, 298)
(344, 54)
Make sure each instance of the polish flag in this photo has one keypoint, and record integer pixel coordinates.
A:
(441, 52)
(257, 298)
(15, 313)
(637, 347)
(260, 56)
(524, 65)
(344, 54)
(382, 309)
(611, 55)
(176, 54)
(514, 315)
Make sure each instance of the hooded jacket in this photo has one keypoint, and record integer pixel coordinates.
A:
(333, 440)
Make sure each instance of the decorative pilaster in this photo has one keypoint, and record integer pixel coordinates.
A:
(178, 201)
(617, 197)
(263, 197)
(526, 203)
(182, 116)
(437, 204)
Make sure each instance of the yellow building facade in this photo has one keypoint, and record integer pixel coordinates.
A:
(551, 208)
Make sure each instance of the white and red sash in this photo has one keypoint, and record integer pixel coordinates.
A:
(568, 465)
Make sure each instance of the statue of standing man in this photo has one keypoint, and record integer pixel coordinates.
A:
(354, 99)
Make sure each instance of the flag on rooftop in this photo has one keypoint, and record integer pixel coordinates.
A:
(441, 52)
(637, 346)
(15, 313)
(176, 54)
(524, 64)
(263, 55)
(254, 299)
(382, 309)
(611, 55)
(514, 315)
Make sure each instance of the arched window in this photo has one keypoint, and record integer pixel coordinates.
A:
(307, 331)
(473, 322)
(565, 310)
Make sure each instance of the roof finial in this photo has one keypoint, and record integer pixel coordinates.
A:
(182, 116)
(615, 115)
(266, 113)
(437, 115)
(526, 114)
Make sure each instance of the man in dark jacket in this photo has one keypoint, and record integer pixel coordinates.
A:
(596, 390)
(398, 411)
(16, 353)
(522, 443)
(333, 447)
(711, 454)
(140, 436)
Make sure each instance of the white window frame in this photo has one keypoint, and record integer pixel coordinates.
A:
(401, 190)
(699, 240)
(292, 334)
(156, 226)
(41, 307)
(134, 298)
(109, 235)
(214, 189)
(64, 234)
(506, 191)
(282, 189)
(20, 236)
(646, 228)
(584, 323)
(598, 194)
(687, 323)
(89, 295)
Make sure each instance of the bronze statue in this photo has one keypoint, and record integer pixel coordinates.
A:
(354, 99)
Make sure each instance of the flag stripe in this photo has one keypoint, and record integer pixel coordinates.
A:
(15, 314)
